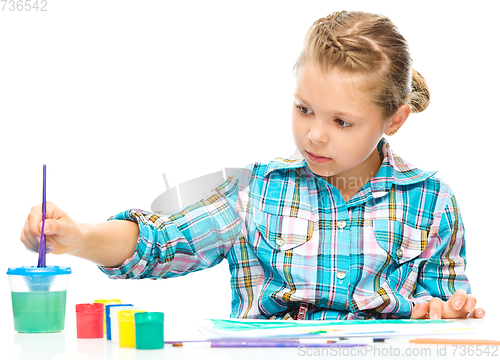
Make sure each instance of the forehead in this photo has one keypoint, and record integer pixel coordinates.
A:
(334, 91)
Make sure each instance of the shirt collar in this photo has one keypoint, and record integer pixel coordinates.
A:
(294, 161)
(393, 170)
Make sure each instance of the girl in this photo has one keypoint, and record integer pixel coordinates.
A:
(342, 229)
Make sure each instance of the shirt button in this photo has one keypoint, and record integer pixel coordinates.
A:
(341, 224)
(340, 275)
(280, 241)
(399, 253)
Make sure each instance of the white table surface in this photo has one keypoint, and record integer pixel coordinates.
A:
(65, 345)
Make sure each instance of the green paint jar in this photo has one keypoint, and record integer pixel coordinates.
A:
(149, 330)
(39, 298)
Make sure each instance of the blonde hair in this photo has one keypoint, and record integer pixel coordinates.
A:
(369, 45)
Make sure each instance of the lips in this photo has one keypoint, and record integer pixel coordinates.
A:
(317, 159)
(316, 155)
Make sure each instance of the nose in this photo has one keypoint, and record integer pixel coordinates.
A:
(317, 132)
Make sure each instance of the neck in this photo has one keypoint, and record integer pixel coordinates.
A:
(348, 183)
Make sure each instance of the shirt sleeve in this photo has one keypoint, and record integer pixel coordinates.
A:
(443, 272)
(195, 238)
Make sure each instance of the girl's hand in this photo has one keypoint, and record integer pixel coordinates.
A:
(62, 233)
(460, 305)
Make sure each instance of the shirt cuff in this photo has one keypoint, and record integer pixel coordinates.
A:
(133, 264)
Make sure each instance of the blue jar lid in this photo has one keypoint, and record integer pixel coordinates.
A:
(40, 271)
(107, 308)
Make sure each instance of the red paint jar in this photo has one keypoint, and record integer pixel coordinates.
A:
(89, 321)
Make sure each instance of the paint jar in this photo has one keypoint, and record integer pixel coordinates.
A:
(107, 309)
(107, 302)
(39, 298)
(149, 330)
(113, 320)
(89, 321)
(126, 328)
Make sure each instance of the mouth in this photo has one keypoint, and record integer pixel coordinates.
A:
(318, 159)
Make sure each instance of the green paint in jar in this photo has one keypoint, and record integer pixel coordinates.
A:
(149, 330)
(39, 311)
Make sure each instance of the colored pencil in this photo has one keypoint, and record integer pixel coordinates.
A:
(455, 341)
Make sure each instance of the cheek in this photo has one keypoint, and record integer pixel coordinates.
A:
(362, 148)
(297, 130)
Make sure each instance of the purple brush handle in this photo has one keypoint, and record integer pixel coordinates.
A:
(267, 342)
(276, 344)
(41, 247)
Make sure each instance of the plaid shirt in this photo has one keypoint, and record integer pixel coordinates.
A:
(289, 238)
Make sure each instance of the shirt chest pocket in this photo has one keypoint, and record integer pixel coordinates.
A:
(402, 242)
(283, 232)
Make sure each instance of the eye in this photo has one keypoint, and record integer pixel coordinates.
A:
(343, 124)
(303, 109)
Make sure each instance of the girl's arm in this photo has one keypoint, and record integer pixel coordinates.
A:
(443, 275)
(106, 244)
(142, 244)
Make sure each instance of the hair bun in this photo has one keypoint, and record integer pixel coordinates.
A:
(420, 95)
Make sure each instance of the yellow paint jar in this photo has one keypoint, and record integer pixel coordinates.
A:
(126, 328)
(107, 302)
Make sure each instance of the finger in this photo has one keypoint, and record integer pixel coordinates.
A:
(49, 247)
(420, 311)
(28, 245)
(34, 218)
(435, 308)
(27, 239)
(56, 221)
(458, 300)
(477, 313)
(470, 303)
(50, 227)
(53, 212)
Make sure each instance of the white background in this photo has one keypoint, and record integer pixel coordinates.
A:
(111, 94)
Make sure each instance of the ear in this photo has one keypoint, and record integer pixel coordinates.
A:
(398, 119)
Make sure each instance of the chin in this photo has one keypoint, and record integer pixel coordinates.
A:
(318, 170)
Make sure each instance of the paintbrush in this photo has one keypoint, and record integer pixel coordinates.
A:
(42, 246)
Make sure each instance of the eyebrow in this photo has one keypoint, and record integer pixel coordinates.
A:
(337, 113)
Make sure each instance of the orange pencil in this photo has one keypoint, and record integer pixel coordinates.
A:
(456, 341)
